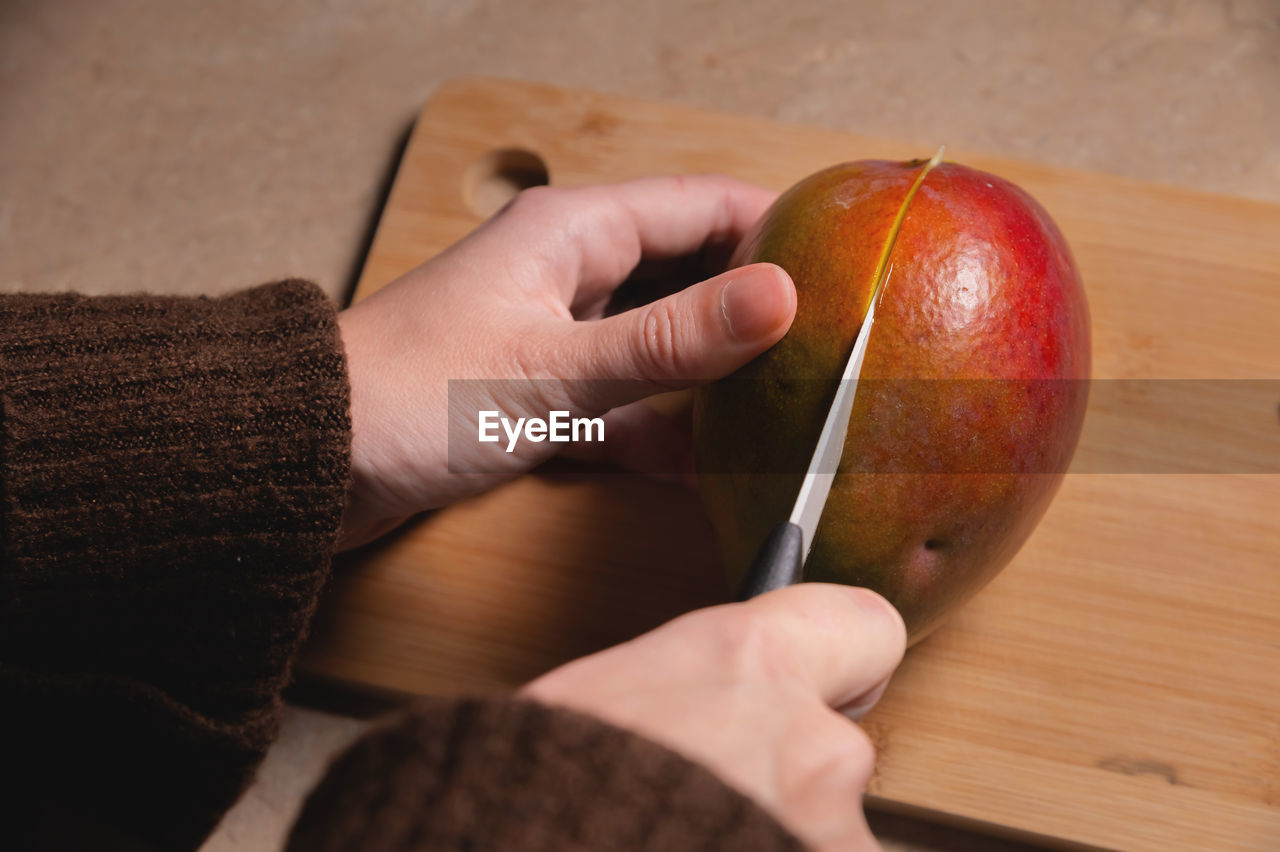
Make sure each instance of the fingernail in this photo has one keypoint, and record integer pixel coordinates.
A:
(873, 601)
(864, 705)
(755, 302)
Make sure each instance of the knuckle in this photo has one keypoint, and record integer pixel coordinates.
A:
(660, 349)
(845, 760)
(532, 360)
(859, 750)
(751, 645)
(536, 202)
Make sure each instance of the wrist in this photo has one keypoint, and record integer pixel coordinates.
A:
(364, 518)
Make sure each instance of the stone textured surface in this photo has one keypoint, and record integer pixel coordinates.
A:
(198, 147)
(202, 147)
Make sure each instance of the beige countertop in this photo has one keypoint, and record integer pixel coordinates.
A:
(200, 148)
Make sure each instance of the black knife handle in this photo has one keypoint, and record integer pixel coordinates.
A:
(777, 563)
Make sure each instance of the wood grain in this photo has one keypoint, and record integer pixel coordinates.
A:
(1116, 686)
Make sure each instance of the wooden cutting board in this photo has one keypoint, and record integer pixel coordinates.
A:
(1118, 685)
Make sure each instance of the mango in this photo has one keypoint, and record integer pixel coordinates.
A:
(971, 398)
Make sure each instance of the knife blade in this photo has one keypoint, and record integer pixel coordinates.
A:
(780, 560)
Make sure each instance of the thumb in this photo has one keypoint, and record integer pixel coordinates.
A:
(701, 333)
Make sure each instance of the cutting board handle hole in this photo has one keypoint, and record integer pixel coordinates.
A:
(498, 176)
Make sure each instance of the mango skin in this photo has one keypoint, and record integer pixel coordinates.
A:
(941, 482)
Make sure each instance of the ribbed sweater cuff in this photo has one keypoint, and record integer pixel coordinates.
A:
(174, 472)
(490, 774)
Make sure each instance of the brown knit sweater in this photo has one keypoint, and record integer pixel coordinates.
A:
(172, 473)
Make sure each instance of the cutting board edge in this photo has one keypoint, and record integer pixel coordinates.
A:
(465, 82)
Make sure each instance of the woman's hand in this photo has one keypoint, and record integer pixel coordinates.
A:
(518, 306)
(749, 689)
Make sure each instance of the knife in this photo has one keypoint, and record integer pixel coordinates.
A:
(780, 560)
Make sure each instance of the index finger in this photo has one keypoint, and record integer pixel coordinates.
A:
(843, 641)
(589, 239)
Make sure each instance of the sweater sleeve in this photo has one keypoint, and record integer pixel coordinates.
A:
(488, 774)
(173, 475)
